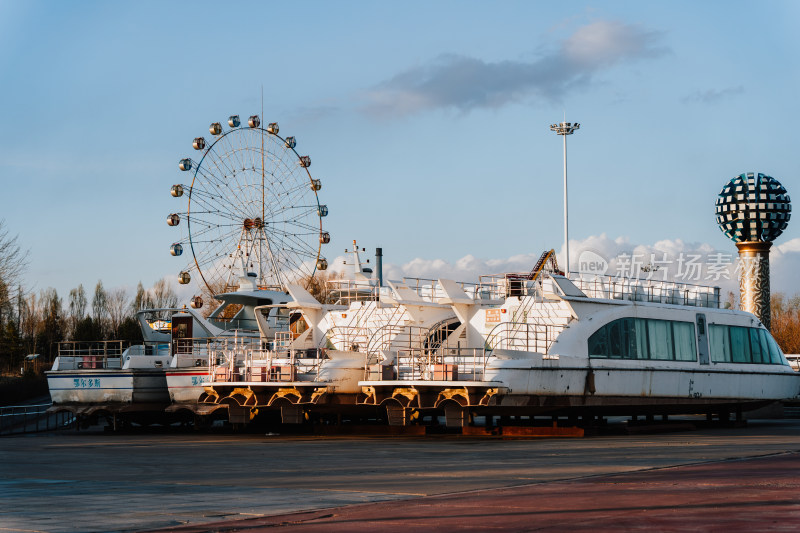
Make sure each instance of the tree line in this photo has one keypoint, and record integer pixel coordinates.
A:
(34, 323)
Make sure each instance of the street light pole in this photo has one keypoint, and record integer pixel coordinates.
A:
(564, 129)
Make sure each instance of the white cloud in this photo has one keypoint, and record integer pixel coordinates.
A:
(784, 266)
(609, 42)
(668, 259)
(465, 83)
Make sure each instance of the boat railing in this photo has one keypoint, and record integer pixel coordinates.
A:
(149, 348)
(259, 365)
(523, 336)
(348, 338)
(403, 336)
(347, 291)
(91, 354)
(501, 286)
(200, 347)
(431, 289)
(206, 351)
(647, 290)
(427, 289)
(444, 364)
(604, 287)
(283, 340)
(395, 336)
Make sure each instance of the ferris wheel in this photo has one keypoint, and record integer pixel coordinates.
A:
(253, 209)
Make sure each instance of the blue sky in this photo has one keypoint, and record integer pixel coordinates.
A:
(426, 121)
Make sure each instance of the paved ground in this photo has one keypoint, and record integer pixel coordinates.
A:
(100, 482)
(758, 494)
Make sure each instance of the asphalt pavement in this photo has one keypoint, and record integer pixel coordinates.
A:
(93, 481)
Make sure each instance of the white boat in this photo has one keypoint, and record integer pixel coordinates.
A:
(105, 373)
(315, 364)
(170, 366)
(592, 346)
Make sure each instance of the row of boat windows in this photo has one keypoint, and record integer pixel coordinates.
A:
(644, 338)
(733, 344)
(666, 340)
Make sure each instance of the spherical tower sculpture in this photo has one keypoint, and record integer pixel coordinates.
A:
(753, 209)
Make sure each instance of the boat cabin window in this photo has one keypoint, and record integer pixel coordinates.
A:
(644, 338)
(735, 344)
(297, 325)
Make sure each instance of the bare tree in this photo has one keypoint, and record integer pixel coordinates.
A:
(76, 308)
(163, 297)
(30, 319)
(117, 306)
(142, 300)
(319, 287)
(785, 323)
(6, 304)
(209, 302)
(100, 309)
(13, 259)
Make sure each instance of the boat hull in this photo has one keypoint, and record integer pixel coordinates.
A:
(186, 385)
(650, 384)
(107, 386)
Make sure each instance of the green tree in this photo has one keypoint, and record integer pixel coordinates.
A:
(129, 330)
(85, 330)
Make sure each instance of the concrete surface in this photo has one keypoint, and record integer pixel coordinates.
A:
(133, 482)
(741, 495)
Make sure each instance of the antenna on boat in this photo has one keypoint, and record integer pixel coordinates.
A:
(361, 272)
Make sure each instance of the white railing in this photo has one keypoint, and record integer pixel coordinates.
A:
(91, 354)
(254, 365)
(348, 338)
(523, 336)
(648, 290)
(605, 287)
(431, 289)
(444, 364)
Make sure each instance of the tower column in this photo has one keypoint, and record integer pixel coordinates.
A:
(754, 293)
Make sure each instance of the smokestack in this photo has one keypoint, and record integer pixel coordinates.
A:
(379, 265)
